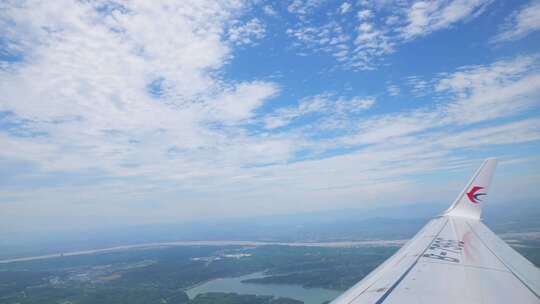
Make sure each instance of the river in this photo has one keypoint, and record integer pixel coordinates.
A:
(307, 295)
(345, 244)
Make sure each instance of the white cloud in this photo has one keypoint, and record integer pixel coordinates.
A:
(83, 86)
(419, 86)
(472, 94)
(384, 127)
(370, 44)
(364, 14)
(247, 33)
(391, 20)
(303, 7)
(506, 134)
(345, 7)
(324, 104)
(377, 34)
(131, 104)
(269, 10)
(330, 38)
(355, 49)
(393, 90)
(522, 23)
(503, 88)
(425, 17)
(241, 102)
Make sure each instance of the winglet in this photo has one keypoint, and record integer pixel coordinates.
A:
(470, 200)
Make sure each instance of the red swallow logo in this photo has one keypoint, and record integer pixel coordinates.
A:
(473, 196)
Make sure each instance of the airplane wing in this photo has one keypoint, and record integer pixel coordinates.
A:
(455, 258)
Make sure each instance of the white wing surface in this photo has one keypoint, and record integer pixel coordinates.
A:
(455, 258)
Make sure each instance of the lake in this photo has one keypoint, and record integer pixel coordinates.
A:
(307, 295)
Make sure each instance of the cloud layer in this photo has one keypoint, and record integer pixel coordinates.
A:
(137, 111)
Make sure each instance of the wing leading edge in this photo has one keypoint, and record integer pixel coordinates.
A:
(455, 258)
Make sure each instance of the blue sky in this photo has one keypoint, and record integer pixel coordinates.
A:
(130, 112)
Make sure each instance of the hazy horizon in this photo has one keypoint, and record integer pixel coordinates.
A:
(381, 223)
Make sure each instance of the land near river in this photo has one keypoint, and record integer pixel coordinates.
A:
(343, 244)
(163, 274)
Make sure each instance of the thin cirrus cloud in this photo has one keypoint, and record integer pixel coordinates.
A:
(137, 111)
(523, 22)
(325, 104)
(470, 95)
(425, 17)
